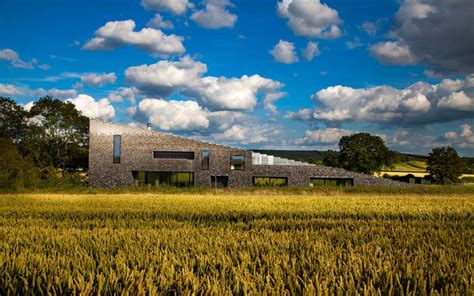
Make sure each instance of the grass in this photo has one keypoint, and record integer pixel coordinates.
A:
(265, 241)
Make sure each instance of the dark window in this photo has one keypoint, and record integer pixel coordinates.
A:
(237, 162)
(332, 181)
(117, 148)
(219, 181)
(270, 181)
(205, 160)
(177, 179)
(173, 155)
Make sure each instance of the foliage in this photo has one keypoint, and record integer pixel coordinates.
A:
(445, 165)
(15, 172)
(201, 244)
(364, 153)
(331, 158)
(51, 135)
(60, 134)
(13, 120)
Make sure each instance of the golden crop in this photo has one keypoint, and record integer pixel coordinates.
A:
(224, 244)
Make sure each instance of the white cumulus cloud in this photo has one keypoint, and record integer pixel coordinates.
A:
(328, 136)
(215, 15)
(419, 103)
(163, 77)
(177, 7)
(120, 33)
(392, 53)
(310, 18)
(158, 22)
(172, 115)
(91, 108)
(284, 52)
(186, 76)
(99, 79)
(311, 51)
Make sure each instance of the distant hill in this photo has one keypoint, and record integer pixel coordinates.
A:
(408, 162)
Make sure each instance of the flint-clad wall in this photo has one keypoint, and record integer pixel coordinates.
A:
(138, 144)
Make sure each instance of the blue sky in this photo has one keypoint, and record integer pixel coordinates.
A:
(290, 74)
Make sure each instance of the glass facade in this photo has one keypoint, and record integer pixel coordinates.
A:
(332, 181)
(176, 179)
(117, 148)
(205, 160)
(237, 162)
(270, 181)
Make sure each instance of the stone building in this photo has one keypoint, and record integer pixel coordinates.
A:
(121, 155)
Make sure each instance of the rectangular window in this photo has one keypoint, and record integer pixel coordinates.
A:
(332, 182)
(117, 148)
(205, 160)
(270, 181)
(176, 179)
(189, 155)
(237, 162)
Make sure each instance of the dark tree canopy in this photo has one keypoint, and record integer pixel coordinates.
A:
(364, 153)
(331, 158)
(445, 166)
(13, 120)
(53, 133)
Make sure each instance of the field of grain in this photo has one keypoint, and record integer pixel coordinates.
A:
(227, 244)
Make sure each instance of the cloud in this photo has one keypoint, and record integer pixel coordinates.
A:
(20, 91)
(10, 90)
(164, 77)
(458, 101)
(328, 136)
(10, 56)
(370, 28)
(120, 33)
(99, 79)
(221, 93)
(215, 15)
(418, 104)
(186, 76)
(177, 7)
(284, 52)
(393, 53)
(172, 115)
(311, 51)
(245, 135)
(310, 18)
(270, 99)
(91, 108)
(122, 93)
(436, 33)
(464, 138)
(56, 93)
(354, 43)
(158, 22)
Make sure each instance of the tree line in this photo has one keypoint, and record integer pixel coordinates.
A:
(44, 146)
(366, 153)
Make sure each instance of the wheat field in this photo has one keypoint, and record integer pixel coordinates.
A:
(224, 244)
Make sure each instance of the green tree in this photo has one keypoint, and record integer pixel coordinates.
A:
(445, 166)
(58, 134)
(331, 158)
(364, 153)
(13, 120)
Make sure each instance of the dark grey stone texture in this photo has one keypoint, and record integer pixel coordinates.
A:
(138, 144)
